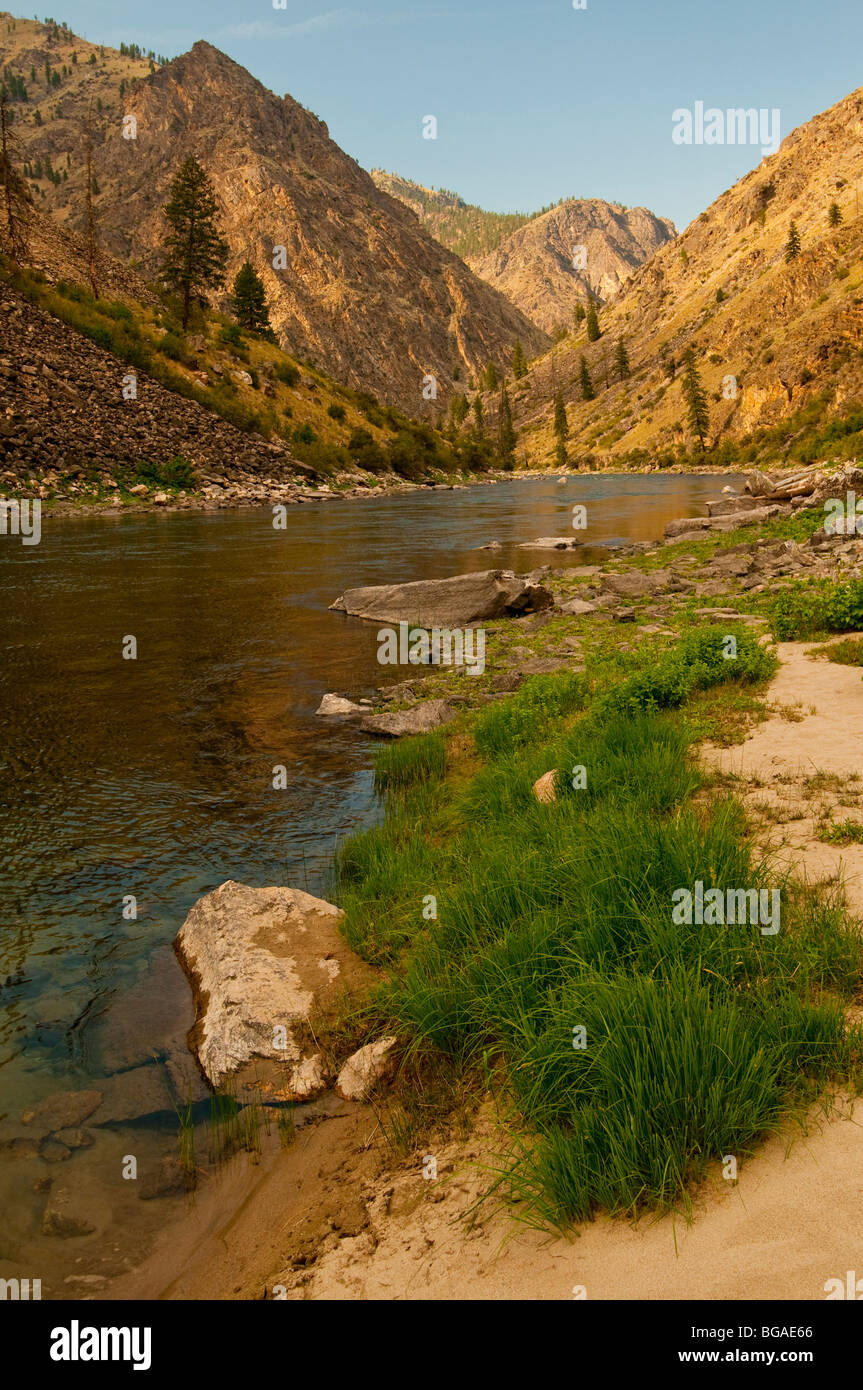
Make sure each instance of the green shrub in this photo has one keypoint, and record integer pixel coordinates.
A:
(809, 607)
(287, 373)
(336, 412)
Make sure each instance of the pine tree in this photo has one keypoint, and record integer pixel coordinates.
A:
(519, 364)
(458, 408)
(587, 391)
(490, 377)
(506, 435)
(91, 187)
(792, 245)
(478, 417)
(16, 195)
(561, 429)
(579, 315)
(621, 361)
(249, 301)
(195, 252)
(594, 332)
(834, 216)
(697, 411)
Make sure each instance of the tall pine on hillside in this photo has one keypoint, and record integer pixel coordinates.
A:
(697, 410)
(249, 301)
(16, 194)
(519, 365)
(561, 429)
(195, 252)
(584, 380)
(792, 245)
(594, 332)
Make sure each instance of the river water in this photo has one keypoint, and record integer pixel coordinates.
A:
(152, 779)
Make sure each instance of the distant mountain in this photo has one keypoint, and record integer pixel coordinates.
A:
(778, 342)
(367, 293)
(462, 227)
(532, 257)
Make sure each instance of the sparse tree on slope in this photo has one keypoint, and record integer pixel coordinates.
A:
(621, 361)
(587, 391)
(16, 195)
(561, 429)
(792, 245)
(490, 377)
(834, 216)
(195, 252)
(519, 365)
(594, 332)
(249, 302)
(506, 435)
(697, 410)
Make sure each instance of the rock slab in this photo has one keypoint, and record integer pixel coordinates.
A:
(454, 602)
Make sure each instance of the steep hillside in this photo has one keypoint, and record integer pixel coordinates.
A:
(464, 228)
(538, 268)
(367, 293)
(777, 342)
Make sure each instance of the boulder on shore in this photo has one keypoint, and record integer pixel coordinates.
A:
(422, 719)
(260, 960)
(454, 602)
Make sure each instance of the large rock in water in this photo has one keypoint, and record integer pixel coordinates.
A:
(454, 602)
(260, 960)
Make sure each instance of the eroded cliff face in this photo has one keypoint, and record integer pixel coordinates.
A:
(582, 247)
(769, 335)
(365, 292)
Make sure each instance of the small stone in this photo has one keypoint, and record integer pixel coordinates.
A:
(169, 1180)
(336, 704)
(368, 1065)
(543, 788)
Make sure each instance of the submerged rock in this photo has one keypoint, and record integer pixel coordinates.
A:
(337, 704)
(462, 599)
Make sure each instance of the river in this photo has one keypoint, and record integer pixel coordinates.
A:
(152, 779)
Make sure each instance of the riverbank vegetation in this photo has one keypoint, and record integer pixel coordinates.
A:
(532, 950)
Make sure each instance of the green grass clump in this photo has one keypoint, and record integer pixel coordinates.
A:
(511, 925)
(408, 761)
(844, 832)
(810, 607)
(846, 653)
(696, 663)
(509, 724)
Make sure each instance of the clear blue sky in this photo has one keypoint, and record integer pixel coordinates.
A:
(534, 100)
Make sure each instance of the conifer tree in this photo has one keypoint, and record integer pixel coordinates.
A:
(697, 410)
(594, 332)
(621, 361)
(834, 216)
(478, 416)
(587, 391)
(16, 195)
(249, 302)
(579, 315)
(195, 252)
(458, 409)
(506, 435)
(561, 429)
(519, 364)
(792, 245)
(490, 377)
